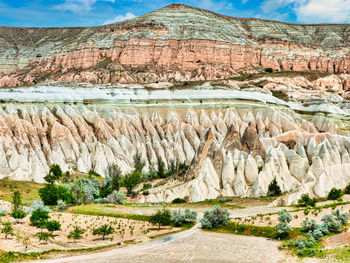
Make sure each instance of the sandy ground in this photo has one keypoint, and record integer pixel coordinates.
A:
(193, 245)
(125, 230)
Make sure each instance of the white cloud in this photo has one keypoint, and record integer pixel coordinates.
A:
(325, 11)
(120, 18)
(311, 11)
(78, 5)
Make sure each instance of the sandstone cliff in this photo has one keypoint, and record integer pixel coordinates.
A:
(173, 43)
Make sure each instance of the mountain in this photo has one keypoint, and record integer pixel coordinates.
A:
(175, 43)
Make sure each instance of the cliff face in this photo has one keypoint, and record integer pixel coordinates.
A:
(174, 43)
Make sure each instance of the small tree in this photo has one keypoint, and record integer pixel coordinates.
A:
(53, 225)
(37, 215)
(116, 197)
(18, 214)
(26, 242)
(77, 233)
(283, 228)
(84, 190)
(54, 174)
(7, 229)
(45, 236)
(114, 177)
(347, 189)
(305, 200)
(217, 217)
(161, 170)
(131, 180)
(161, 217)
(104, 230)
(138, 162)
(334, 194)
(274, 189)
(16, 200)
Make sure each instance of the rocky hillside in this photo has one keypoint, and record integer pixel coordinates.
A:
(173, 43)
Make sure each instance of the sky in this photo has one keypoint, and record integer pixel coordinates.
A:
(61, 13)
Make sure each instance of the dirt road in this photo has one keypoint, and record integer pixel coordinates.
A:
(193, 245)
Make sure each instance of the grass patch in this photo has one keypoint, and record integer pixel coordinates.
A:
(28, 190)
(251, 230)
(104, 210)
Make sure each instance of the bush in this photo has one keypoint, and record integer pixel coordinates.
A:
(54, 174)
(161, 170)
(151, 175)
(38, 215)
(7, 229)
(131, 180)
(85, 190)
(116, 197)
(76, 233)
(146, 187)
(309, 225)
(138, 162)
(341, 217)
(217, 217)
(16, 200)
(178, 201)
(44, 236)
(161, 217)
(268, 70)
(61, 205)
(3, 212)
(333, 225)
(37, 205)
(283, 228)
(179, 218)
(104, 230)
(18, 214)
(274, 189)
(334, 194)
(51, 193)
(113, 178)
(347, 189)
(53, 225)
(305, 201)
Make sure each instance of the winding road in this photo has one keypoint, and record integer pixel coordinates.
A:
(193, 245)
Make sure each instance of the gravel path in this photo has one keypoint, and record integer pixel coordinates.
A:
(193, 245)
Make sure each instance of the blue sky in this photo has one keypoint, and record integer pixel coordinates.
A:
(41, 13)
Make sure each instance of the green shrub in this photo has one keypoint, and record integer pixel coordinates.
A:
(333, 225)
(268, 70)
(3, 212)
(131, 180)
(51, 193)
(38, 215)
(305, 201)
(113, 179)
(347, 189)
(161, 218)
(161, 170)
(309, 225)
(85, 190)
(44, 236)
(76, 233)
(215, 218)
(116, 197)
(18, 214)
(54, 174)
(274, 189)
(138, 162)
(283, 228)
(7, 229)
(104, 230)
(53, 225)
(341, 217)
(61, 205)
(16, 200)
(146, 187)
(178, 201)
(334, 194)
(187, 217)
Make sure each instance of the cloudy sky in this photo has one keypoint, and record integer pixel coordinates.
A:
(40, 13)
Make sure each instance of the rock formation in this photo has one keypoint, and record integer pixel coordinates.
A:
(173, 43)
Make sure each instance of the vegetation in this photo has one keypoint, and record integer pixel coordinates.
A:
(334, 194)
(161, 218)
(131, 180)
(113, 180)
(138, 162)
(116, 197)
(283, 228)
(28, 190)
(54, 174)
(7, 229)
(18, 214)
(215, 218)
(305, 201)
(178, 201)
(16, 201)
(51, 193)
(85, 190)
(44, 236)
(180, 218)
(104, 230)
(76, 233)
(53, 225)
(274, 189)
(38, 216)
(347, 189)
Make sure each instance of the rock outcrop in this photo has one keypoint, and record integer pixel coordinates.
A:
(173, 43)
